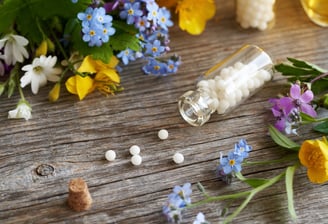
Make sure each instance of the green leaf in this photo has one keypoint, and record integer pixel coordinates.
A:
(282, 140)
(322, 127)
(307, 118)
(319, 86)
(8, 12)
(288, 70)
(122, 41)
(253, 182)
(305, 64)
(289, 188)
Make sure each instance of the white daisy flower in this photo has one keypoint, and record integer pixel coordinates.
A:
(14, 48)
(39, 72)
(23, 110)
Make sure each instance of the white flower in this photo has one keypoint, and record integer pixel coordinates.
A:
(14, 50)
(23, 110)
(39, 72)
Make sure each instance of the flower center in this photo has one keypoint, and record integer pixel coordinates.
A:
(154, 49)
(315, 159)
(232, 162)
(130, 11)
(38, 69)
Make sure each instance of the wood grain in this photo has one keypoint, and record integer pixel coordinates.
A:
(71, 137)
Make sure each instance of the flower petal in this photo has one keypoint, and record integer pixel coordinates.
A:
(307, 96)
(295, 91)
(317, 176)
(308, 109)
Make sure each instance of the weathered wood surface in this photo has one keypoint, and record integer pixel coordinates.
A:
(72, 137)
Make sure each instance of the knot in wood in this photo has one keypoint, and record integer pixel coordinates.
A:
(45, 170)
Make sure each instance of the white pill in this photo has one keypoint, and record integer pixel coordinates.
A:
(178, 158)
(163, 134)
(134, 150)
(110, 155)
(136, 160)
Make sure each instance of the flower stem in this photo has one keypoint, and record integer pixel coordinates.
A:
(284, 159)
(319, 77)
(248, 194)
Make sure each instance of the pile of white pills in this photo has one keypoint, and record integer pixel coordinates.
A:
(232, 85)
(255, 13)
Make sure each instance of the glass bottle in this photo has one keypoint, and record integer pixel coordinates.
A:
(226, 84)
(258, 14)
(317, 11)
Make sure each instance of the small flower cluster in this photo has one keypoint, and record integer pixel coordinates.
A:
(152, 23)
(79, 43)
(231, 164)
(287, 109)
(178, 200)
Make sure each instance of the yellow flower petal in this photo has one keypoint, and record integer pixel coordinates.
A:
(88, 65)
(54, 92)
(193, 15)
(109, 74)
(79, 85)
(42, 49)
(318, 176)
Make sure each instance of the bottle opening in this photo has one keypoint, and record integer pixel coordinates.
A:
(194, 109)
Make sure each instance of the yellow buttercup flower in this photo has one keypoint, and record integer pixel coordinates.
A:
(98, 75)
(314, 155)
(193, 14)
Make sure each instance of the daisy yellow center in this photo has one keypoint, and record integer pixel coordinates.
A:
(163, 19)
(232, 162)
(154, 49)
(37, 69)
(89, 17)
(104, 31)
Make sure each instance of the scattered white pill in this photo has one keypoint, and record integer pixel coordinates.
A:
(163, 134)
(134, 150)
(110, 155)
(178, 158)
(136, 160)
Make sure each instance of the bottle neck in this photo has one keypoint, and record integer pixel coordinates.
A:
(197, 106)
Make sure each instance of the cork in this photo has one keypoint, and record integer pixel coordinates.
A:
(79, 198)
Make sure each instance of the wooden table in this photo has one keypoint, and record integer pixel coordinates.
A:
(69, 138)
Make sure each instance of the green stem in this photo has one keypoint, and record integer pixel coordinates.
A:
(252, 194)
(248, 194)
(219, 198)
(286, 158)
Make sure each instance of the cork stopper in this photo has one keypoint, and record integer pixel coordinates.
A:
(79, 198)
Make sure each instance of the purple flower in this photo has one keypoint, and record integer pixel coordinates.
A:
(286, 110)
(301, 100)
